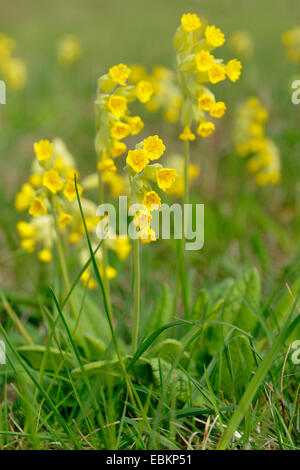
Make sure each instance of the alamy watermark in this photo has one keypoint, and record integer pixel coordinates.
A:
(2, 92)
(2, 353)
(176, 221)
(296, 94)
(296, 354)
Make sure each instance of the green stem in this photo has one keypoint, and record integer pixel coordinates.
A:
(104, 247)
(137, 294)
(183, 271)
(62, 260)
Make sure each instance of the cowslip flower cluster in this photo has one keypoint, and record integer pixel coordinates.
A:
(263, 156)
(12, 69)
(197, 68)
(167, 95)
(113, 119)
(142, 173)
(69, 50)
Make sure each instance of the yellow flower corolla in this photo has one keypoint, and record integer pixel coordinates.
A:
(117, 105)
(118, 148)
(217, 110)
(205, 128)
(64, 219)
(36, 180)
(204, 61)
(69, 190)
(217, 73)
(37, 207)
(52, 181)
(214, 36)
(151, 200)
(154, 147)
(121, 246)
(15, 73)
(144, 91)
(28, 244)
(190, 22)
(107, 164)
(137, 160)
(87, 280)
(205, 102)
(120, 130)
(234, 70)
(43, 150)
(147, 235)
(187, 134)
(165, 178)
(120, 73)
(25, 229)
(135, 123)
(24, 197)
(142, 219)
(291, 40)
(45, 255)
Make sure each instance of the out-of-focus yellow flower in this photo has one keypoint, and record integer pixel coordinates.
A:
(28, 244)
(120, 73)
(154, 147)
(187, 134)
(136, 125)
(137, 160)
(69, 50)
(291, 40)
(144, 91)
(37, 207)
(45, 256)
(52, 181)
(36, 180)
(24, 197)
(218, 109)
(43, 150)
(165, 178)
(242, 44)
(70, 190)
(15, 73)
(120, 130)
(107, 164)
(64, 219)
(118, 148)
(25, 229)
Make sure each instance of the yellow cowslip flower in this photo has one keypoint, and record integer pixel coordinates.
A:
(135, 123)
(217, 73)
(111, 272)
(217, 110)
(147, 235)
(154, 147)
(118, 148)
(234, 70)
(151, 200)
(120, 73)
(87, 280)
(144, 91)
(165, 178)
(37, 207)
(142, 219)
(291, 40)
(241, 43)
(138, 72)
(64, 219)
(7, 45)
(52, 181)
(15, 73)
(214, 36)
(115, 182)
(43, 150)
(24, 197)
(137, 160)
(117, 105)
(205, 102)
(121, 246)
(25, 229)
(107, 164)
(69, 190)
(204, 61)
(74, 237)
(190, 22)
(187, 134)
(69, 50)
(45, 255)
(120, 130)
(205, 128)
(28, 244)
(36, 180)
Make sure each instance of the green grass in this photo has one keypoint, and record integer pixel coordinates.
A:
(223, 378)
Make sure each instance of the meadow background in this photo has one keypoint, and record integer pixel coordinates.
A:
(245, 226)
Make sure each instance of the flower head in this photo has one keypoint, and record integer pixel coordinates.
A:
(52, 181)
(154, 147)
(151, 200)
(37, 207)
(120, 73)
(204, 61)
(214, 36)
(117, 105)
(234, 70)
(190, 22)
(205, 128)
(187, 134)
(144, 91)
(43, 150)
(137, 160)
(165, 178)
